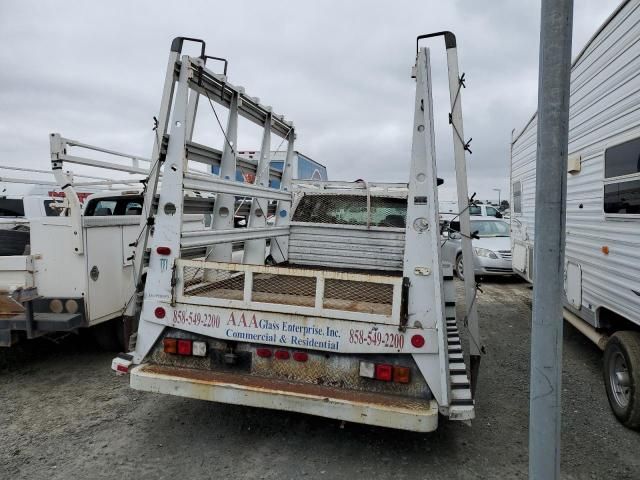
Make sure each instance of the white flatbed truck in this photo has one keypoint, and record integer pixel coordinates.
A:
(356, 319)
(72, 269)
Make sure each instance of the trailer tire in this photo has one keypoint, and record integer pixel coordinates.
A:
(622, 377)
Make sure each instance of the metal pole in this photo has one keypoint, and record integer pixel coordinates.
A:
(551, 187)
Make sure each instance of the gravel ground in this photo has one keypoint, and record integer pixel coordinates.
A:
(65, 415)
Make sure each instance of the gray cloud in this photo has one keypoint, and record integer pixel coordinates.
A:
(340, 70)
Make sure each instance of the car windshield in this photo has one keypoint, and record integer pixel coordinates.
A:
(490, 228)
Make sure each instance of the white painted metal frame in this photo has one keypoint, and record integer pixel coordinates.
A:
(193, 79)
(426, 308)
(422, 265)
(280, 245)
(247, 303)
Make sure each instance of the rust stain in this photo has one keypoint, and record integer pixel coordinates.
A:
(284, 387)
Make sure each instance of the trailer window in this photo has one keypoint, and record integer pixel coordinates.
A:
(11, 207)
(517, 197)
(622, 197)
(622, 185)
(623, 159)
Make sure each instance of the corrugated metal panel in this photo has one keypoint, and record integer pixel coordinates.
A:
(604, 111)
(346, 246)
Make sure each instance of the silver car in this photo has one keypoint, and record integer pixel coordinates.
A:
(491, 252)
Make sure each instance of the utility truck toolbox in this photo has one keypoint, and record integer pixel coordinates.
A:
(348, 312)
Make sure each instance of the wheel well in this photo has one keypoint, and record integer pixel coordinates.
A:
(614, 321)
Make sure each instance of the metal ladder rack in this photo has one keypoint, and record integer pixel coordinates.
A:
(187, 80)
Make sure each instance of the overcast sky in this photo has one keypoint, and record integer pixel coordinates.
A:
(93, 71)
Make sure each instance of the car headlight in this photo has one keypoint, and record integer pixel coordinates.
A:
(483, 252)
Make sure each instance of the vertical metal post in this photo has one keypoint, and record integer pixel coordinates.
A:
(168, 219)
(154, 175)
(459, 148)
(422, 265)
(551, 186)
(254, 250)
(280, 245)
(224, 207)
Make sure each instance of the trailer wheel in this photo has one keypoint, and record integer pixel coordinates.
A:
(622, 377)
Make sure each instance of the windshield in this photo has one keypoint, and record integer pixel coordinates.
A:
(490, 228)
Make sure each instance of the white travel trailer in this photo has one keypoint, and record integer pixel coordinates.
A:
(602, 235)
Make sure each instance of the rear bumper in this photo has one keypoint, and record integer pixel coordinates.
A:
(239, 389)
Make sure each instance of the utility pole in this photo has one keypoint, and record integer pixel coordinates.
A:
(551, 186)
(498, 190)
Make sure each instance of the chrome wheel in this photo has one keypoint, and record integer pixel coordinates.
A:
(619, 378)
(622, 376)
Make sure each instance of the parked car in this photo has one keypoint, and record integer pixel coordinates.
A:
(449, 210)
(491, 251)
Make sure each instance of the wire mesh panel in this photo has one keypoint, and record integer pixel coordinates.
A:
(284, 289)
(365, 297)
(323, 293)
(213, 283)
(352, 210)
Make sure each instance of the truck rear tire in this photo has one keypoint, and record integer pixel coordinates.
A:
(622, 377)
(109, 335)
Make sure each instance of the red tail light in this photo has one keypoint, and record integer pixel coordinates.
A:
(170, 345)
(384, 372)
(122, 368)
(184, 347)
(159, 312)
(417, 341)
(282, 355)
(163, 251)
(300, 356)
(263, 352)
